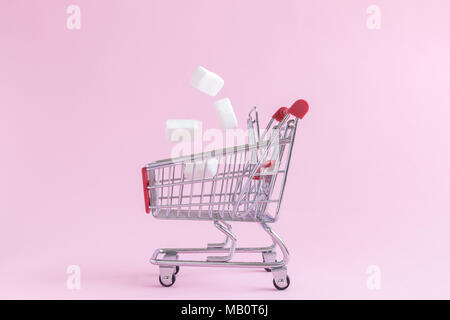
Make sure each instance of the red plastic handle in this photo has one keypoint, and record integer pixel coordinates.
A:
(145, 183)
(280, 114)
(299, 108)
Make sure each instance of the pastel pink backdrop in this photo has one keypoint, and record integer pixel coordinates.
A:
(83, 110)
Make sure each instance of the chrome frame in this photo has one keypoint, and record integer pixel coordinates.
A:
(246, 194)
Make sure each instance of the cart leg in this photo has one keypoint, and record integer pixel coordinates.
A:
(167, 273)
(280, 278)
(226, 230)
(225, 242)
(278, 241)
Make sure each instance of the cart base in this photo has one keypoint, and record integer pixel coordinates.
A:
(170, 263)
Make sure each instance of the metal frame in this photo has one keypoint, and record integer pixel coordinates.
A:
(239, 191)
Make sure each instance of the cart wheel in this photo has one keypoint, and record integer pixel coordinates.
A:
(288, 282)
(165, 284)
(177, 269)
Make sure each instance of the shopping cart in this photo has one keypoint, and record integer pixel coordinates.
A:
(247, 185)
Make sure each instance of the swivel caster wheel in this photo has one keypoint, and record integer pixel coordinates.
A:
(282, 283)
(167, 275)
(281, 280)
(167, 281)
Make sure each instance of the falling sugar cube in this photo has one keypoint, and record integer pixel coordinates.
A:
(225, 113)
(207, 81)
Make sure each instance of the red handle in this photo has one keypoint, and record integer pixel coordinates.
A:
(145, 182)
(280, 114)
(299, 108)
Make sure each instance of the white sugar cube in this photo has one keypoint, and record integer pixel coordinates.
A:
(195, 170)
(182, 129)
(225, 113)
(207, 81)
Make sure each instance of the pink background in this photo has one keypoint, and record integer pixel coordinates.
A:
(83, 110)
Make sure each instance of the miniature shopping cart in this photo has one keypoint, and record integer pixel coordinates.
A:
(246, 183)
